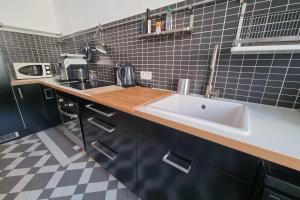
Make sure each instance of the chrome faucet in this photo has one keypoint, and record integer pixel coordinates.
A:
(210, 91)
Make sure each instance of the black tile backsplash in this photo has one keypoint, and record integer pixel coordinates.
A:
(272, 79)
(23, 47)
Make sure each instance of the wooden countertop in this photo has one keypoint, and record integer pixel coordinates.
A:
(131, 100)
(123, 99)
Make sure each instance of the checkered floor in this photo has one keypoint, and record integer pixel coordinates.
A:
(35, 167)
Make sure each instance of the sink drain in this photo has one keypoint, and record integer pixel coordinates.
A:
(203, 106)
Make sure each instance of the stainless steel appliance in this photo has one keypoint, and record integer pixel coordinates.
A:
(81, 74)
(88, 84)
(125, 75)
(70, 63)
(69, 110)
(32, 70)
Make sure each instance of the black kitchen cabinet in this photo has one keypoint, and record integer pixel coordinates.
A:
(50, 105)
(110, 139)
(10, 117)
(164, 156)
(31, 101)
(166, 174)
(231, 161)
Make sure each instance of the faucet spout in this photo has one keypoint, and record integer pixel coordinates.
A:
(209, 89)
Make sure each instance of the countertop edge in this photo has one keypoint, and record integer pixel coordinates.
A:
(254, 150)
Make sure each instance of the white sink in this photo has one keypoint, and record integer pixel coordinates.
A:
(217, 114)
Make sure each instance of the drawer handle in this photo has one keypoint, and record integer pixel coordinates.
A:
(97, 146)
(90, 107)
(72, 116)
(46, 94)
(274, 197)
(173, 164)
(90, 120)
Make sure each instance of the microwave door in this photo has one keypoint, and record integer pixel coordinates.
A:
(32, 70)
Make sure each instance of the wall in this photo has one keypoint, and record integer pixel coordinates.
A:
(75, 15)
(22, 47)
(272, 79)
(31, 14)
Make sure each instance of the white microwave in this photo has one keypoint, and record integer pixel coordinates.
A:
(32, 70)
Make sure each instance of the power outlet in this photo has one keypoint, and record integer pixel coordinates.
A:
(146, 75)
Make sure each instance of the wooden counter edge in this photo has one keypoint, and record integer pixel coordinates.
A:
(24, 82)
(266, 154)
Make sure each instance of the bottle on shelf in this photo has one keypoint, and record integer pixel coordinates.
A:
(163, 23)
(169, 22)
(148, 18)
(158, 25)
(144, 24)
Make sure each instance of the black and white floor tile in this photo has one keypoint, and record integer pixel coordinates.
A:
(37, 167)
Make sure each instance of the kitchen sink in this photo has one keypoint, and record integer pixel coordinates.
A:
(214, 113)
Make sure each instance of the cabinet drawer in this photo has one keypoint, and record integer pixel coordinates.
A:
(118, 134)
(101, 112)
(166, 174)
(274, 195)
(121, 163)
(231, 161)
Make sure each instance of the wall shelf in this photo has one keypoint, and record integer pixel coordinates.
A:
(275, 32)
(171, 32)
(266, 49)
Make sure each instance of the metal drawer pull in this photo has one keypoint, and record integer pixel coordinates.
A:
(72, 116)
(96, 145)
(20, 93)
(90, 120)
(46, 95)
(89, 106)
(177, 166)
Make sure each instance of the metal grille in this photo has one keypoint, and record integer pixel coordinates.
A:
(9, 136)
(274, 27)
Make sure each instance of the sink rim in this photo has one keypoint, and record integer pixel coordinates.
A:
(245, 130)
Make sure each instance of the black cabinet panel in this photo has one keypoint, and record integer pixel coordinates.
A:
(231, 161)
(50, 105)
(30, 99)
(10, 117)
(162, 180)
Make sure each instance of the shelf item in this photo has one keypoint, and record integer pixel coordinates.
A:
(171, 32)
(266, 49)
(277, 32)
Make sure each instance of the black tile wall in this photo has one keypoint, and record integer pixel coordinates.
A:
(23, 47)
(272, 79)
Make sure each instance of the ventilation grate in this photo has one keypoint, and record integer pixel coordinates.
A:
(9, 136)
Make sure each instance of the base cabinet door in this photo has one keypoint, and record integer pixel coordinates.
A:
(50, 104)
(164, 174)
(111, 141)
(30, 100)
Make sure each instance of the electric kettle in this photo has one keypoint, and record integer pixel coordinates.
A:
(125, 75)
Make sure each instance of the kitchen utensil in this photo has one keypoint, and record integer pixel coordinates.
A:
(80, 74)
(184, 86)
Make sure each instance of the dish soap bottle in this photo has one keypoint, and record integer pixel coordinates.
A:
(169, 19)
